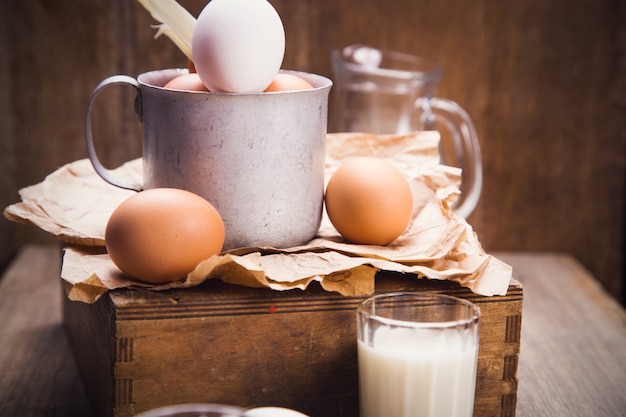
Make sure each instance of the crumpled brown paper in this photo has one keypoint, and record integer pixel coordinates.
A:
(74, 204)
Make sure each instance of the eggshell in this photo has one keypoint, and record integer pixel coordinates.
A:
(186, 82)
(238, 45)
(288, 82)
(160, 235)
(272, 412)
(369, 201)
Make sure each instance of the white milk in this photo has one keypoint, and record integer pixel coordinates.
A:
(417, 373)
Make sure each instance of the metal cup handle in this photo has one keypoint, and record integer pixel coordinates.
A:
(105, 173)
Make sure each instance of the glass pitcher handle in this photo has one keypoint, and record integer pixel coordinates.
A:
(465, 143)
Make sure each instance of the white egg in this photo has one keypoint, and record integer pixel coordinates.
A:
(238, 45)
(272, 412)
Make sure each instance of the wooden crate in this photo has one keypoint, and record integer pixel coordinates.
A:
(220, 343)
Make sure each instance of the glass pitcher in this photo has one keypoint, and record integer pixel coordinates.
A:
(390, 92)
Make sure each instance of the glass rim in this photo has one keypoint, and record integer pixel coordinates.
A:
(225, 410)
(416, 68)
(451, 300)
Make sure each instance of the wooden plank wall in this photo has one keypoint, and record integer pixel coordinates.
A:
(545, 82)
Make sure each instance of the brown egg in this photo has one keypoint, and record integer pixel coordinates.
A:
(160, 235)
(369, 201)
(288, 82)
(186, 82)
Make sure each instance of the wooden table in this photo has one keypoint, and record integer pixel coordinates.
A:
(572, 360)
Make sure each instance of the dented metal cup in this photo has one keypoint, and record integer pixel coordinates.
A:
(257, 157)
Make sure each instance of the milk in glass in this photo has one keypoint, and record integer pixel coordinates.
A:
(418, 372)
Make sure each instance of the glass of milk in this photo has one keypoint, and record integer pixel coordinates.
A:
(417, 355)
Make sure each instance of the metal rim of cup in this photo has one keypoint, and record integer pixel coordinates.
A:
(320, 82)
(365, 309)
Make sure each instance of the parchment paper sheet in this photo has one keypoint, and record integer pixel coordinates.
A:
(74, 204)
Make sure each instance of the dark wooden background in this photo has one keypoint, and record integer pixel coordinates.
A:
(544, 81)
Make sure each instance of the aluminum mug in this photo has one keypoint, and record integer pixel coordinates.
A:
(257, 157)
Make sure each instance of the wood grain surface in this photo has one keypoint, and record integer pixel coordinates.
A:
(545, 83)
(38, 374)
(572, 358)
